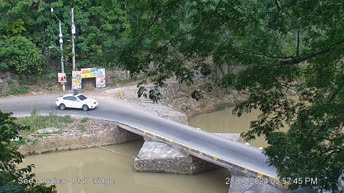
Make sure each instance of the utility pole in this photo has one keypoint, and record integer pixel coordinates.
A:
(73, 37)
(61, 46)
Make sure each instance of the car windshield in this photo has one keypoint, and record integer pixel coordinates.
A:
(82, 97)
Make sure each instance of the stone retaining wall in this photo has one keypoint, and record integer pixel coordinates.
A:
(75, 139)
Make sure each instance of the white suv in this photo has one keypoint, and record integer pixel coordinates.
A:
(77, 101)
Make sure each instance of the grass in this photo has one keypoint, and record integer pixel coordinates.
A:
(84, 120)
(14, 90)
(36, 122)
(34, 111)
(46, 134)
(82, 127)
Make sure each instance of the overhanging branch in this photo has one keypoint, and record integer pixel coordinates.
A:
(284, 60)
(296, 60)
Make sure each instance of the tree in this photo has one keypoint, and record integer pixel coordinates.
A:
(101, 33)
(19, 55)
(10, 158)
(282, 46)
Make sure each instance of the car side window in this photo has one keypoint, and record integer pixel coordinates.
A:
(70, 98)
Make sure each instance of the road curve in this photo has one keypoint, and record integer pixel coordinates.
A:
(238, 154)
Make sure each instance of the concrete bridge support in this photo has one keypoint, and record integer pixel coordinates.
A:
(160, 157)
(156, 156)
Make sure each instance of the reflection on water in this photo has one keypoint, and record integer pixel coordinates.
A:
(224, 122)
(101, 163)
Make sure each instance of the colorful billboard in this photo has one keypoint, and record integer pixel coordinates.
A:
(89, 72)
(100, 80)
(61, 77)
(76, 80)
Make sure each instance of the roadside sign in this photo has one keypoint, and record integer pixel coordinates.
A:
(89, 72)
(100, 80)
(61, 77)
(76, 80)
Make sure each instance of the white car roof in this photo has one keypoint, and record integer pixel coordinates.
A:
(71, 95)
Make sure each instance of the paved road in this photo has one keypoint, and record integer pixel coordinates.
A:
(238, 154)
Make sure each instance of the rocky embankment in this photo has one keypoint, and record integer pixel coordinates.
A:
(176, 101)
(91, 134)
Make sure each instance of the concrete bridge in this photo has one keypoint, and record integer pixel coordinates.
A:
(207, 146)
(247, 161)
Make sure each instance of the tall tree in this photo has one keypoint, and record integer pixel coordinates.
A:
(282, 46)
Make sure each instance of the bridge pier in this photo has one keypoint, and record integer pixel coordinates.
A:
(156, 156)
(160, 157)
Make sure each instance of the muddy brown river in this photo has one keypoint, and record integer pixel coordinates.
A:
(224, 122)
(98, 165)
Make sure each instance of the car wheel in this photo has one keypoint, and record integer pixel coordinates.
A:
(85, 108)
(62, 107)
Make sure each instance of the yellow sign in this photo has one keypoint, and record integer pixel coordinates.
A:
(89, 72)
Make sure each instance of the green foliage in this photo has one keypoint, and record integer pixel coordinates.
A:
(82, 127)
(35, 122)
(29, 79)
(20, 55)
(281, 46)
(28, 29)
(100, 30)
(34, 112)
(84, 120)
(17, 90)
(197, 95)
(10, 158)
(14, 90)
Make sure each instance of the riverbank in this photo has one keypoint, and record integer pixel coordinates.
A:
(60, 133)
(178, 97)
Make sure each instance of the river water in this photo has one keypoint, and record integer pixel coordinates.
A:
(76, 167)
(100, 163)
(224, 122)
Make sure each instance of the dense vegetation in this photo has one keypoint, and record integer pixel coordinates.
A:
(28, 31)
(282, 46)
(11, 177)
